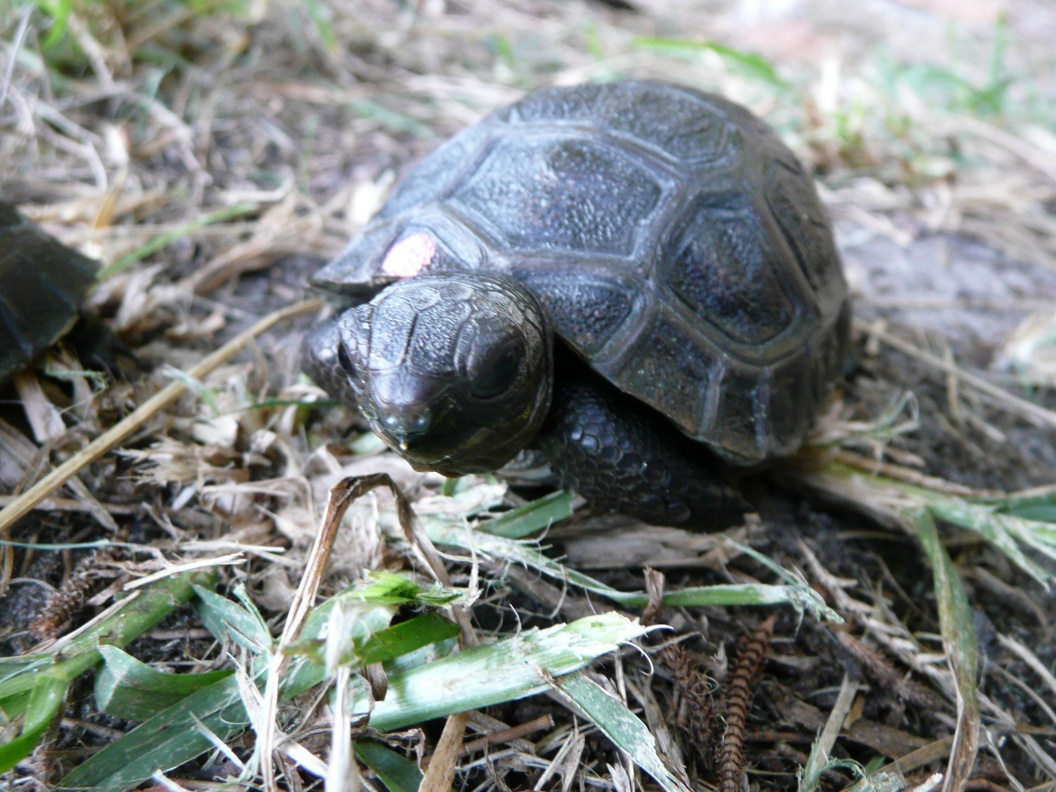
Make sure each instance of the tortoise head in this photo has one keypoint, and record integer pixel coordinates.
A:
(453, 371)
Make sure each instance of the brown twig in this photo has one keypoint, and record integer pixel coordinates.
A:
(506, 735)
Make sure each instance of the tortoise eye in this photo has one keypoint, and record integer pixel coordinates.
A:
(492, 375)
(343, 359)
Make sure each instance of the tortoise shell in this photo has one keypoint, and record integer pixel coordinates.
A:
(42, 285)
(678, 245)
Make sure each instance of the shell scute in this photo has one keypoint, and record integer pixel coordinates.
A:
(560, 193)
(721, 264)
(588, 308)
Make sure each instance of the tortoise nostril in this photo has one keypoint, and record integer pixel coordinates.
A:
(405, 429)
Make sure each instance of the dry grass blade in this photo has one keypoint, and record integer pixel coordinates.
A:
(342, 496)
(1002, 397)
(819, 757)
(907, 475)
(1031, 659)
(342, 771)
(441, 770)
(1032, 155)
(932, 752)
(159, 401)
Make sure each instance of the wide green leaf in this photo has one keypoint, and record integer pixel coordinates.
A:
(127, 688)
(173, 736)
(32, 688)
(513, 668)
(532, 517)
(43, 705)
(227, 620)
(398, 773)
(392, 642)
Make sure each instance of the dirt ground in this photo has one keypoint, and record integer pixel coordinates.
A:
(931, 128)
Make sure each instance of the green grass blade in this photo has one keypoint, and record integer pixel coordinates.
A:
(1036, 507)
(797, 593)
(319, 13)
(170, 738)
(749, 64)
(810, 777)
(1008, 533)
(156, 244)
(174, 735)
(427, 654)
(390, 119)
(881, 782)
(509, 669)
(13, 667)
(17, 749)
(228, 620)
(532, 517)
(33, 685)
(961, 645)
(129, 689)
(513, 668)
(386, 589)
(398, 773)
(392, 642)
(620, 725)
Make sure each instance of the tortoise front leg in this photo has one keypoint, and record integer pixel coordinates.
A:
(617, 454)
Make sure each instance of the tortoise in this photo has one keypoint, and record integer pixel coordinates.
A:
(42, 285)
(636, 280)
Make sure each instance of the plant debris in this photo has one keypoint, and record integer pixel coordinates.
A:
(161, 507)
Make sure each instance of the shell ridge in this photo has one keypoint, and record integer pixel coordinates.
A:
(710, 411)
(760, 414)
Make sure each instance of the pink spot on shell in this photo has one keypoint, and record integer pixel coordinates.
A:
(409, 256)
